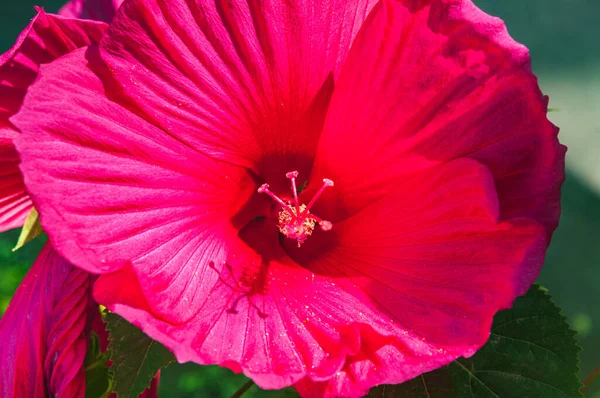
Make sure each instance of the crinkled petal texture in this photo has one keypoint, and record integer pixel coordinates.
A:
(46, 38)
(144, 166)
(44, 331)
(97, 10)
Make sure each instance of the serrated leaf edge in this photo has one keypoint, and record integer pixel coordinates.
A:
(110, 351)
(543, 291)
(536, 291)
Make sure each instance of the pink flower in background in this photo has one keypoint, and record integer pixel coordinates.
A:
(45, 329)
(148, 164)
(98, 10)
(43, 332)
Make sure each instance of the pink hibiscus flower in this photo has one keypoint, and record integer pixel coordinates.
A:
(432, 181)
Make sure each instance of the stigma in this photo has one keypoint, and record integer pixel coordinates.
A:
(295, 220)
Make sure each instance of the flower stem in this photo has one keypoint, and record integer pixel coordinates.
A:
(94, 365)
(243, 389)
(590, 379)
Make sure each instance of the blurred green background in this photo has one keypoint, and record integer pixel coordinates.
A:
(564, 39)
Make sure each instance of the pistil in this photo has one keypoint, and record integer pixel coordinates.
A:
(296, 221)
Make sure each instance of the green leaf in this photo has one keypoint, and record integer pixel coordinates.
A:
(136, 357)
(98, 383)
(436, 384)
(31, 230)
(531, 353)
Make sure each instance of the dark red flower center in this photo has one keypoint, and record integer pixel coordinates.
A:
(295, 220)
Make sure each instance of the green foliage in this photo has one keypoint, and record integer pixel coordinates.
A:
(531, 353)
(136, 358)
(98, 381)
(31, 230)
(191, 380)
(14, 266)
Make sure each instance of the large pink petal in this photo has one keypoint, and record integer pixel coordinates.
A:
(435, 255)
(44, 331)
(435, 258)
(112, 188)
(401, 292)
(273, 320)
(430, 81)
(246, 82)
(97, 10)
(46, 38)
